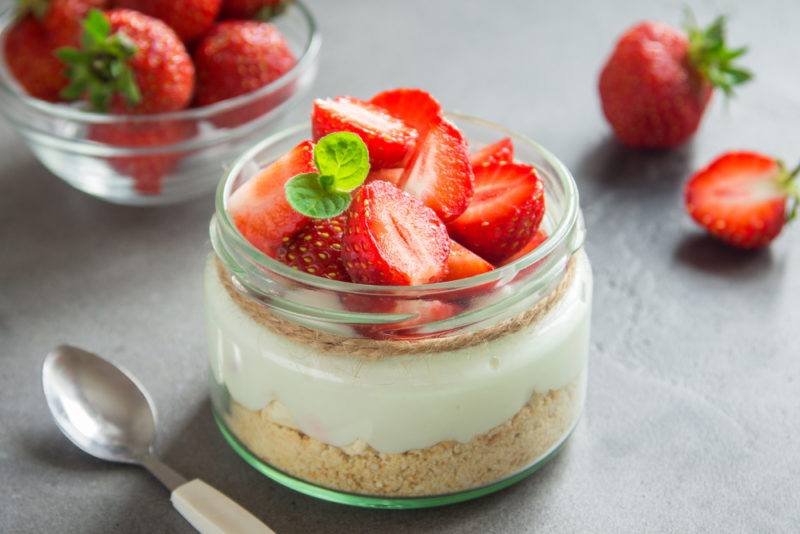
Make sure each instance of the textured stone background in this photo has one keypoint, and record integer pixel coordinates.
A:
(693, 416)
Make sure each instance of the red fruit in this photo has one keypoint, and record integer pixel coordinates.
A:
(501, 151)
(147, 171)
(391, 238)
(439, 173)
(389, 140)
(423, 311)
(506, 211)
(247, 9)
(61, 19)
(538, 238)
(414, 107)
(463, 263)
(317, 248)
(238, 57)
(31, 59)
(387, 175)
(189, 18)
(137, 66)
(259, 207)
(741, 198)
(656, 84)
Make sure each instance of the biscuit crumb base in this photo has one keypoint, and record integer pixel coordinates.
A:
(447, 467)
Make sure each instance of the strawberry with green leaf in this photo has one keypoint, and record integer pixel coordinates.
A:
(129, 63)
(658, 81)
(61, 20)
(743, 198)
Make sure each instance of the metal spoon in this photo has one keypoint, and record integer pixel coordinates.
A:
(107, 413)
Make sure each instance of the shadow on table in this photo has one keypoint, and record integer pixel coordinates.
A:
(612, 165)
(200, 450)
(704, 253)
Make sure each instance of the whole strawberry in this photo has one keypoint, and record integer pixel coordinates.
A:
(129, 63)
(189, 18)
(61, 19)
(317, 249)
(31, 59)
(248, 9)
(743, 198)
(658, 81)
(237, 57)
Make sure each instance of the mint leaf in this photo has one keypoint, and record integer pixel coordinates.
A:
(344, 157)
(307, 197)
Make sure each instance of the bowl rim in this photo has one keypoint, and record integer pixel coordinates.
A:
(65, 111)
(558, 238)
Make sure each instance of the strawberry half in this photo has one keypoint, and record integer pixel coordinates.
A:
(498, 152)
(414, 107)
(389, 140)
(504, 214)
(391, 238)
(259, 207)
(538, 238)
(741, 198)
(317, 249)
(440, 174)
(463, 263)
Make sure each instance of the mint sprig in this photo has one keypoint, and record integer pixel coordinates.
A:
(342, 160)
(100, 67)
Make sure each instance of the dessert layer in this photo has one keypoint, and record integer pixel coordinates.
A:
(446, 467)
(404, 402)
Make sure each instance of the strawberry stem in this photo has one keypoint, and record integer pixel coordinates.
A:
(99, 69)
(789, 184)
(710, 56)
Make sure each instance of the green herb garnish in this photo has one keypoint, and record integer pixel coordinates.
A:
(342, 160)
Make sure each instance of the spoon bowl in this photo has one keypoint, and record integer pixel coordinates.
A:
(105, 412)
(98, 406)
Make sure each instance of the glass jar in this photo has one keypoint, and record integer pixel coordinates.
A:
(400, 397)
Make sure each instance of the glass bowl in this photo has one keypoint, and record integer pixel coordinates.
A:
(161, 158)
(400, 397)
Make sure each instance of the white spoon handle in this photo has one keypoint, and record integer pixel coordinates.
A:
(211, 512)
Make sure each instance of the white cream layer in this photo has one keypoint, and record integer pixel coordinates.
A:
(403, 402)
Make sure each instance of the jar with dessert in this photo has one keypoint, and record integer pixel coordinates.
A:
(398, 304)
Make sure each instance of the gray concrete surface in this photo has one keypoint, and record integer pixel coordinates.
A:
(693, 415)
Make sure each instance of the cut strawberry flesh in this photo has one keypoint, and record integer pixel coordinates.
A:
(414, 107)
(501, 151)
(463, 263)
(393, 239)
(505, 212)
(440, 174)
(538, 238)
(389, 140)
(739, 199)
(259, 207)
(392, 175)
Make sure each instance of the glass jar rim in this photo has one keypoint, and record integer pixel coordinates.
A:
(62, 111)
(559, 235)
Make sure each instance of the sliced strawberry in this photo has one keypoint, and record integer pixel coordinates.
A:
(440, 174)
(392, 175)
(317, 248)
(414, 107)
(259, 207)
(506, 211)
(741, 198)
(391, 238)
(389, 140)
(537, 239)
(463, 263)
(500, 151)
